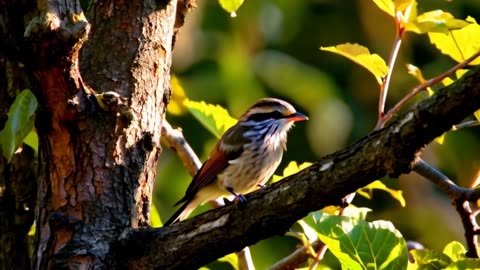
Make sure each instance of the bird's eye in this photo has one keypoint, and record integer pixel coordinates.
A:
(264, 116)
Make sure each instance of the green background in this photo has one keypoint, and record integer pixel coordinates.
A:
(272, 49)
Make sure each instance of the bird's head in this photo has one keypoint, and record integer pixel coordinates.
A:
(272, 109)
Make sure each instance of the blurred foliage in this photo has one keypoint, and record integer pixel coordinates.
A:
(271, 49)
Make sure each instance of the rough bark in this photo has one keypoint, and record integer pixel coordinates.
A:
(271, 211)
(96, 170)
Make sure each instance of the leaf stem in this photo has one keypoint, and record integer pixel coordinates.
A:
(391, 63)
(423, 86)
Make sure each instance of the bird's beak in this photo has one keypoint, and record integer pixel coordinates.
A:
(295, 117)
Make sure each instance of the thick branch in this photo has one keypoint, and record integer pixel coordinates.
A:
(271, 211)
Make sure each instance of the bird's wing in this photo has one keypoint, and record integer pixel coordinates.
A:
(222, 153)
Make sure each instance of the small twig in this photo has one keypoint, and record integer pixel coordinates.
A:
(422, 87)
(319, 256)
(466, 124)
(440, 180)
(173, 139)
(297, 257)
(470, 225)
(391, 63)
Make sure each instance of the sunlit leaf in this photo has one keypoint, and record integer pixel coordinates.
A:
(429, 259)
(453, 257)
(459, 44)
(360, 55)
(417, 73)
(440, 139)
(32, 140)
(231, 258)
(436, 21)
(215, 118)
(362, 245)
(477, 115)
(19, 124)
(155, 220)
(292, 168)
(308, 231)
(393, 6)
(176, 106)
(403, 5)
(455, 250)
(231, 6)
(387, 6)
(447, 81)
(356, 212)
(366, 191)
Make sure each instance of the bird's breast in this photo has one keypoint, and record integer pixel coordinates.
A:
(254, 167)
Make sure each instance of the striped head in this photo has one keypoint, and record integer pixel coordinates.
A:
(269, 119)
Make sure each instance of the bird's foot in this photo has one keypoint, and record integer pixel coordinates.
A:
(238, 197)
(262, 186)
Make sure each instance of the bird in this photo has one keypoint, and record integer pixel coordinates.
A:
(244, 158)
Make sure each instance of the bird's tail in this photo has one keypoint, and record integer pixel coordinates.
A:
(181, 213)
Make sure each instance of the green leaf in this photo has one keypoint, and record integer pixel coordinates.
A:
(363, 245)
(19, 124)
(215, 118)
(292, 168)
(436, 21)
(440, 139)
(360, 55)
(32, 140)
(392, 6)
(477, 115)
(453, 257)
(231, 258)
(366, 191)
(429, 259)
(467, 263)
(155, 220)
(176, 105)
(387, 6)
(231, 6)
(455, 250)
(356, 212)
(309, 232)
(459, 44)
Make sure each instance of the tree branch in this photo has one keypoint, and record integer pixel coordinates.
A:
(460, 197)
(271, 211)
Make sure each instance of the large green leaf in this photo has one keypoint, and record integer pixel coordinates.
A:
(362, 245)
(459, 44)
(215, 118)
(19, 124)
(360, 55)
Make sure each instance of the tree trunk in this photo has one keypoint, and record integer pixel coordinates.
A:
(97, 163)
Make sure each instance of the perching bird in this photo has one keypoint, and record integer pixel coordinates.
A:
(244, 158)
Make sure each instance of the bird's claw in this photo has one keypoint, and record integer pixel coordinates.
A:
(241, 198)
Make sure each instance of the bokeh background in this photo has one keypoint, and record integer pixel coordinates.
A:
(272, 49)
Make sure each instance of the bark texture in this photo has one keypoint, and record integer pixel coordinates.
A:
(97, 168)
(271, 211)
